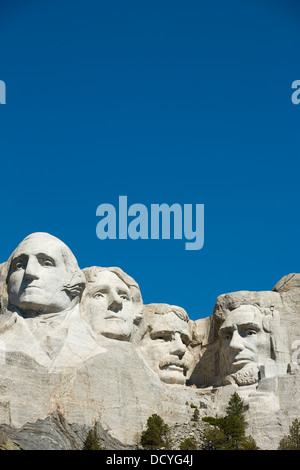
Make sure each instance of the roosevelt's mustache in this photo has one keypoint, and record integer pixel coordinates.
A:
(173, 361)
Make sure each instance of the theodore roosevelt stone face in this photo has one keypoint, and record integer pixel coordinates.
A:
(164, 346)
(39, 270)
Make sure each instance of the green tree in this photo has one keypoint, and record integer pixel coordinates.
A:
(228, 433)
(292, 440)
(189, 444)
(195, 414)
(92, 441)
(156, 433)
(236, 407)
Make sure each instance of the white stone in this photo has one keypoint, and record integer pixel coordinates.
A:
(79, 347)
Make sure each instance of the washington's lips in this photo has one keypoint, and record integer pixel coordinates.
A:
(30, 286)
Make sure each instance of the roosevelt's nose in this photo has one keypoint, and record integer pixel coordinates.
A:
(114, 302)
(178, 348)
(32, 268)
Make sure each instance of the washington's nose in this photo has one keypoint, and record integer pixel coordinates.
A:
(32, 267)
(178, 348)
(236, 342)
(114, 302)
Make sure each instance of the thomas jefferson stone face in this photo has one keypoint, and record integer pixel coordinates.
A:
(111, 311)
(37, 275)
(243, 339)
(164, 347)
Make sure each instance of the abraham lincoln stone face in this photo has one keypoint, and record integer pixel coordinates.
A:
(244, 341)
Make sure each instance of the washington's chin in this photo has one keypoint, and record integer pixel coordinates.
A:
(36, 305)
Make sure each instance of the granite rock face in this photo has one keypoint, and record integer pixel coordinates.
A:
(78, 347)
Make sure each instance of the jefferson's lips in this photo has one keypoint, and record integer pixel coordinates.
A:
(113, 317)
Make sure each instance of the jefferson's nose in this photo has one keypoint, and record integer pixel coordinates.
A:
(114, 302)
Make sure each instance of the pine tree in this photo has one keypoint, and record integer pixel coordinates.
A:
(92, 441)
(292, 440)
(236, 407)
(189, 444)
(196, 414)
(156, 433)
(228, 433)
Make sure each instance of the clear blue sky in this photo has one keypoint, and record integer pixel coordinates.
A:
(165, 102)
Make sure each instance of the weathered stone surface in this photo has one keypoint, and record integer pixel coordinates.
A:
(6, 443)
(290, 281)
(78, 347)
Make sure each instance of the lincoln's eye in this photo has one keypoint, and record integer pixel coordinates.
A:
(226, 336)
(251, 332)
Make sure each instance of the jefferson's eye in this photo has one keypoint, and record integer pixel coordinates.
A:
(98, 295)
(124, 296)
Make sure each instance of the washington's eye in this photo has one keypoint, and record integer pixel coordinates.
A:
(19, 265)
(48, 262)
(45, 261)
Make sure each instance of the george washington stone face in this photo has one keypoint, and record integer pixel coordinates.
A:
(40, 274)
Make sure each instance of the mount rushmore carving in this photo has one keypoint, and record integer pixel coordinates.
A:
(81, 343)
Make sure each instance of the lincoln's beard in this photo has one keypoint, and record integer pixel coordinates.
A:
(248, 375)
